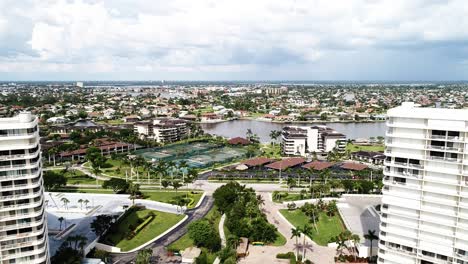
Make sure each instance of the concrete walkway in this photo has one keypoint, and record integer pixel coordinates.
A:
(221, 230)
(267, 254)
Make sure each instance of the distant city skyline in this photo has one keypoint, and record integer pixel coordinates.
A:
(233, 40)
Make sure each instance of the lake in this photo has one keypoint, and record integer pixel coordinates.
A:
(238, 128)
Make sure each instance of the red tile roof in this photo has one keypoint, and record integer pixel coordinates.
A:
(318, 165)
(238, 141)
(256, 161)
(353, 166)
(286, 163)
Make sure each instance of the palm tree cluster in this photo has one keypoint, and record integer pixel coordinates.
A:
(346, 240)
(313, 210)
(77, 242)
(162, 170)
(297, 232)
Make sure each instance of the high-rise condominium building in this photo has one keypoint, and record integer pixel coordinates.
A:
(303, 141)
(162, 130)
(23, 230)
(425, 195)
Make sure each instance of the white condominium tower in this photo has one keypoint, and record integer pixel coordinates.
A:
(425, 194)
(23, 230)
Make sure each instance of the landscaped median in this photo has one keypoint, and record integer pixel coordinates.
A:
(138, 226)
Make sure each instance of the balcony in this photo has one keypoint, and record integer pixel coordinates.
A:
(20, 196)
(8, 217)
(22, 166)
(33, 233)
(4, 208)
(444, 159)
(19, 135)
(30, 242)
(24, 254)
(438, 210)
(20, 156)
(446, 138)
(20, 176)
(22, 225)
(31, 185)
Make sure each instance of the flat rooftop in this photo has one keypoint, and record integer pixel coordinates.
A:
(412, 110)
(359, 214)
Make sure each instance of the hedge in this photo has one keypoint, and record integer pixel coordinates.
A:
(285, 255)
(142, 225)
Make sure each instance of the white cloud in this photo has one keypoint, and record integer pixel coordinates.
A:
(222, 35)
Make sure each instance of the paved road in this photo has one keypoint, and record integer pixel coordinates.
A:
(210, 187)
(158, 247)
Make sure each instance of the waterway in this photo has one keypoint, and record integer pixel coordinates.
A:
(238, 128)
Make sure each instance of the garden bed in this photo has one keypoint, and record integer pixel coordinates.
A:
(119, 235)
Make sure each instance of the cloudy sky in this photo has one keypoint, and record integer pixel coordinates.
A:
(234, 40)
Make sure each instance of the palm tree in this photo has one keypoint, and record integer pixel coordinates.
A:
(335, 184)
(161, 169)
(290, 182)
(182, 166)
(144, 256)
(355, 239)
(176, 185)
(65, 202)
(80, 201)
(260, 200)
(357, 186)
(306, 229)
(371, 236)
(274, 134)
(324, 175)
(341, 244)
(249, 133)
(86, 201)
(81, 245)
(232, 241)
(296, 232)
(60, 219)
(170, 168)
(52, 151)
(133, 189)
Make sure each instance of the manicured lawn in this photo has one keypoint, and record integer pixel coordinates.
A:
(116, 168)
(78, 177)
(166, 197)
(182, 243)
(280, 240)
(75, 177)
(378, 148)
(328, 227)
(157, 226)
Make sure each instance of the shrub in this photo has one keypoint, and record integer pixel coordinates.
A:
(204, 234)
(142, 225)
(285, 255)
(192, 201)
(227, 253)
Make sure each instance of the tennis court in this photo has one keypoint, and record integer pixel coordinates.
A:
(197, 155)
